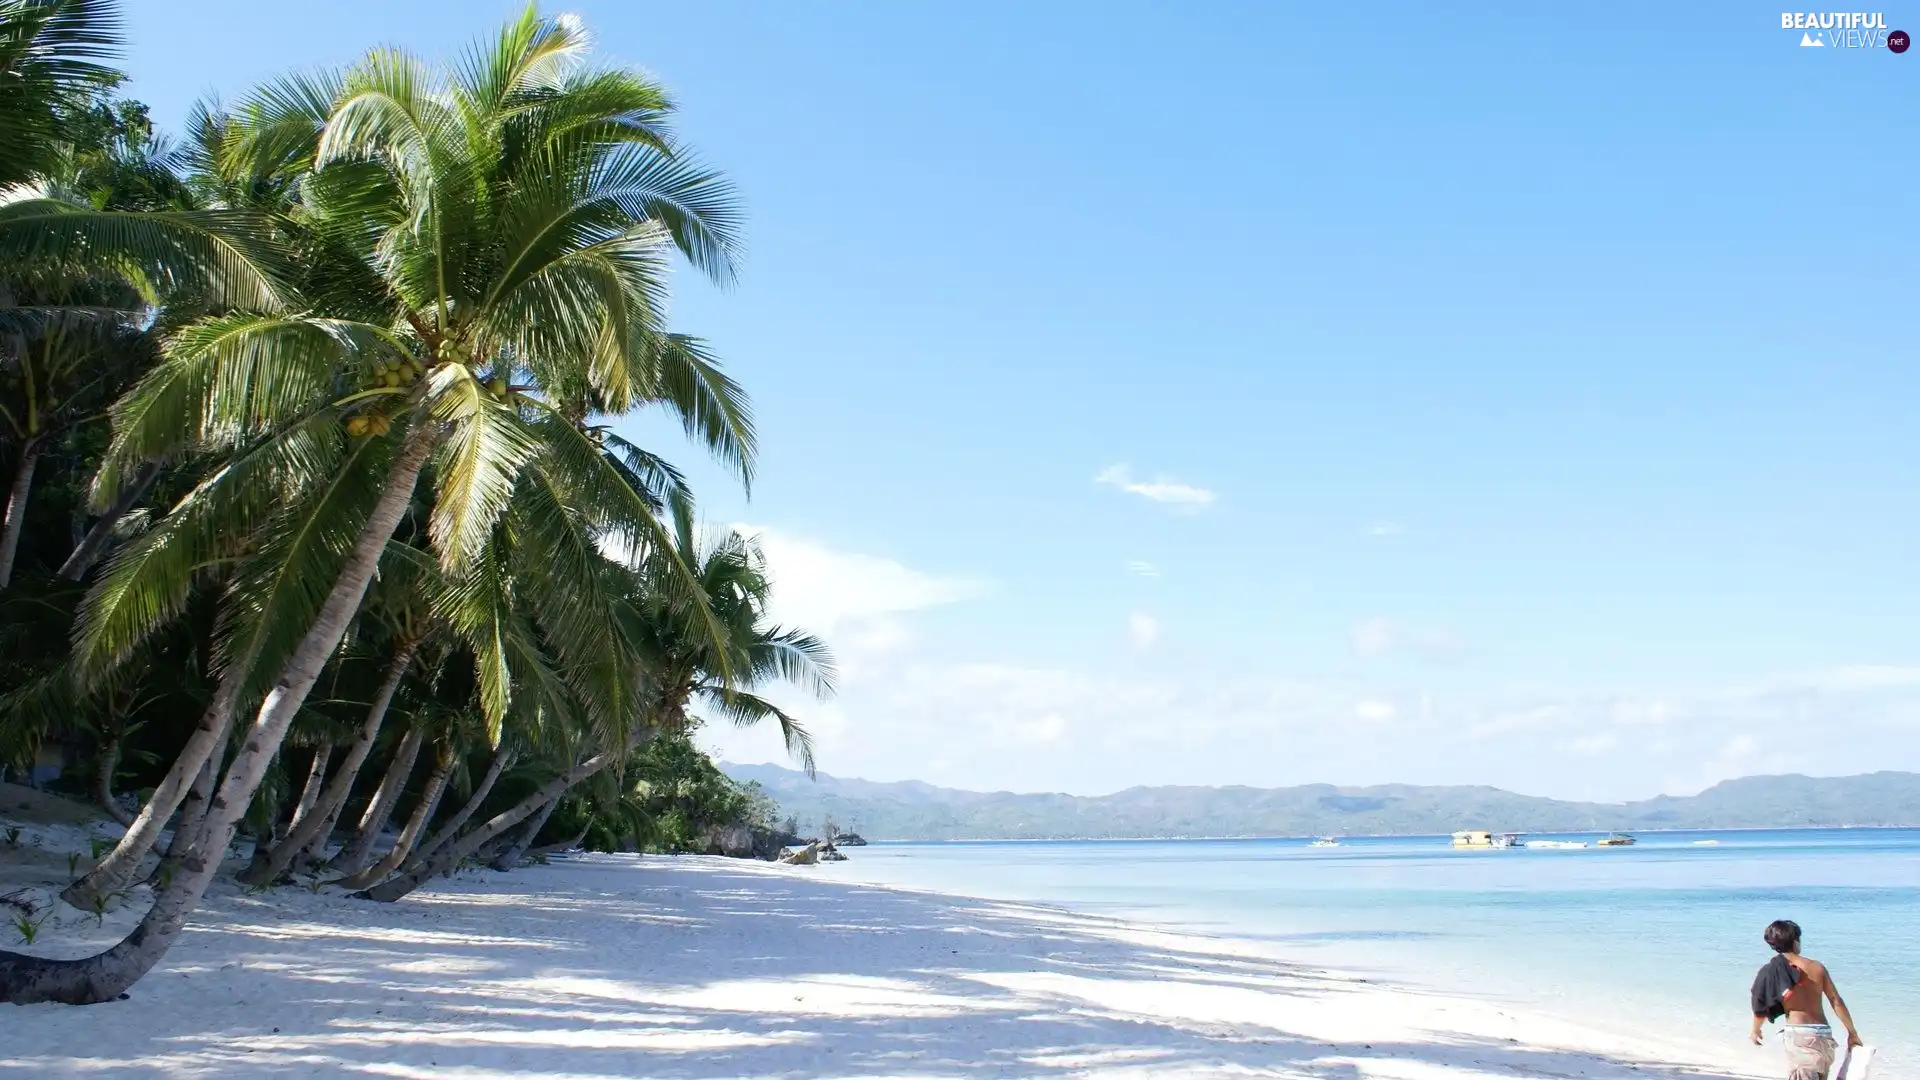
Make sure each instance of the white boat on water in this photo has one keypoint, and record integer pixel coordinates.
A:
(1325, 841)
(1557, 845)
(1481, 838)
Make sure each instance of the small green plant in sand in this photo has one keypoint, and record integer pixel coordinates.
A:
(13, 836)
(97, 847)
(73, 863)
(28, 927)
(98, 905)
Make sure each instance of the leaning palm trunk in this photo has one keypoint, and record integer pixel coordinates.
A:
(102, 977)
(16, 514)
(502, 759)
(510, 857)
(416, 824)
(455, 852)
(310, 835)
(193, 809)
(95, 542)
(122, 865)
(263, 843)
(106, 763)
(568, 844)
(316, 850)
(316, 782)
(380, 808)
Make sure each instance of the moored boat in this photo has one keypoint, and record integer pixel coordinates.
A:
(1616, 840)
(1481, 838)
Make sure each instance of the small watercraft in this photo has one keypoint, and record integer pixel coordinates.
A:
(1706, 843)
(1616, 840)
(1325, 841)
(1481, 838)
(1558, 845)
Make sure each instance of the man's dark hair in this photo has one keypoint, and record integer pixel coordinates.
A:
(1783, 935)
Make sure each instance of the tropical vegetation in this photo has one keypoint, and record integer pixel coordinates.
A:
(319, 524)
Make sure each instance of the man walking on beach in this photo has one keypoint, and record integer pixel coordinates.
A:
(1792, 986)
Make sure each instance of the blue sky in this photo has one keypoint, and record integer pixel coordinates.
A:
(1548, 374)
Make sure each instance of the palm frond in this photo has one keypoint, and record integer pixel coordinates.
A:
(51, 51)
(743, 709)
(712, 407)
(478, 466)
(794, 656)
(231, 378)
(230, 257)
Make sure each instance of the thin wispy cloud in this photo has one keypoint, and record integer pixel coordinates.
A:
(1378, 637)
(1144, 629)
(1382, 529)
(1142, 568)
(1164, 490)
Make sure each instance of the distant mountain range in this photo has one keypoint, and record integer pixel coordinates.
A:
(910, 810)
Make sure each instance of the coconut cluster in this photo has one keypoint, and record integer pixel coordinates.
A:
(389, 375)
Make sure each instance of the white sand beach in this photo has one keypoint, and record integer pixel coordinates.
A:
(600, 966)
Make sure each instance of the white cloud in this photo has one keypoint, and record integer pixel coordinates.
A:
(1050, 729)
(1163, 490)
(1595, 744)
(853, 601)
(1036, 728)
(1377, 637)
(1142, 568)
(1381, 529)
(1374, 712)
(1371, 637)
(821, 588)
(961, 721)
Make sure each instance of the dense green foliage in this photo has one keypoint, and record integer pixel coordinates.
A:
(671, 798)
(311, 420)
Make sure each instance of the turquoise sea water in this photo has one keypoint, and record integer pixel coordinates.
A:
(1668, 928)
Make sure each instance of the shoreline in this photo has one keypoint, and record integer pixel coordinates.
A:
(704, 967)
(1390, 967)
(1248, 837)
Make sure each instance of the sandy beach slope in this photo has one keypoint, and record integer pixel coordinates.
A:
(601, 966)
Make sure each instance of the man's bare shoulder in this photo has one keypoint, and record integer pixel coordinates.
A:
(1812, 969)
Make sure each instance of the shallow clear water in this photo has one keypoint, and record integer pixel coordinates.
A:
(1668, 928)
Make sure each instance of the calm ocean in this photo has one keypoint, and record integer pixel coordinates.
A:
(1671, 924)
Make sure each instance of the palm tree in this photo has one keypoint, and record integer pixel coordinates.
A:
(76, 331)
(681, 663)
(482, 257)
(73, 346)
(51, 52)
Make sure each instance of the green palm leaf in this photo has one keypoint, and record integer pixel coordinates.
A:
(230, 257)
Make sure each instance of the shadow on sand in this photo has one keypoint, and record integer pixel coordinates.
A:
(683, 968)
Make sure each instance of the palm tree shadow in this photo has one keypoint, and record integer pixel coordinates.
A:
(701, 970)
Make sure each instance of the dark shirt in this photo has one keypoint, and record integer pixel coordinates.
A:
(1776, 977)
